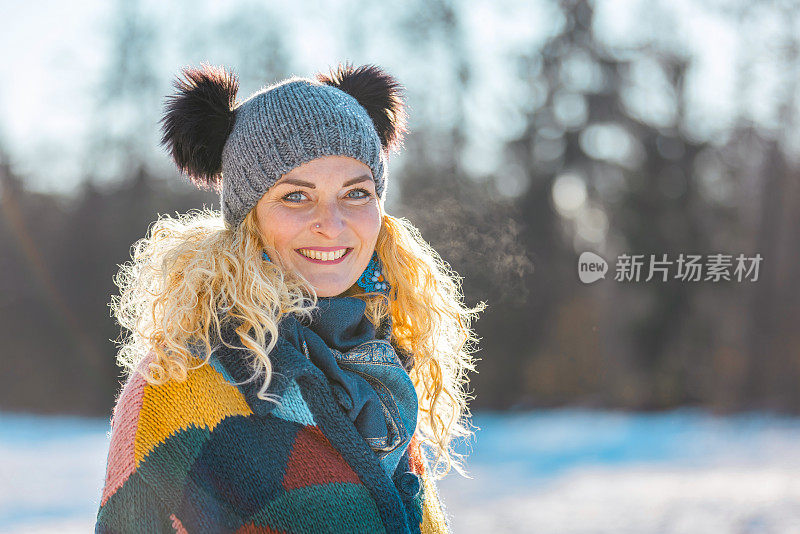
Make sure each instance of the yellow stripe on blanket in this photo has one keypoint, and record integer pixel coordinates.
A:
(204, 399)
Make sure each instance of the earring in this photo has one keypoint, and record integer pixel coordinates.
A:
(372, 278)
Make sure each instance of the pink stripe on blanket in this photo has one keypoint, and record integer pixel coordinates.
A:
(121, 458)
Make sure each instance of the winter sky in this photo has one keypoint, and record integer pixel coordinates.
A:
(54, 54)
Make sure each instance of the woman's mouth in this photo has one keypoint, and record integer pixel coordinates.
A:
(327, 257)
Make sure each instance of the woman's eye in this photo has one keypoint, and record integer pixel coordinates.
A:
(289, 195)
(366, 194)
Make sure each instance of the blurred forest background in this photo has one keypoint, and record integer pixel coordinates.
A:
(591, 146)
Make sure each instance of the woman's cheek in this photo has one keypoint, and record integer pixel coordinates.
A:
(287, 216)
(281, 226)
(368, 215)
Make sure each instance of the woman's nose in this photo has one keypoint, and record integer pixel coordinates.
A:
(328, 219)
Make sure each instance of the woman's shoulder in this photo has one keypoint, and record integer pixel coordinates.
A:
(146, 413)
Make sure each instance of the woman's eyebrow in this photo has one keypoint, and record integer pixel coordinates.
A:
(303, 183)
(362, 178)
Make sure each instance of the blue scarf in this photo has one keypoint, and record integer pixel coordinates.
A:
(365, 373)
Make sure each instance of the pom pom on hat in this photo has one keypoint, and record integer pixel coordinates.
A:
(379, 93)
(197, 121)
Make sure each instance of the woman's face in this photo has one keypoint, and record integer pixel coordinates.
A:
(338, 194)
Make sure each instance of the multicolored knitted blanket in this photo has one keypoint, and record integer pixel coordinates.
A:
(206, 455)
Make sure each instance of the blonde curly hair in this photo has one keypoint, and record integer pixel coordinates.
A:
(191, 270)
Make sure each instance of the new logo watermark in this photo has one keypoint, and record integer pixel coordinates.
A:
(591, 267)
(686, 267)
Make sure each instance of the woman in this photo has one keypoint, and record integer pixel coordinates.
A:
(297, 363)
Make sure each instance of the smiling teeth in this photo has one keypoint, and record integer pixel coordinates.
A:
(324, 256)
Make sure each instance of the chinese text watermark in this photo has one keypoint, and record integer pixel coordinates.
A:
(685, 268)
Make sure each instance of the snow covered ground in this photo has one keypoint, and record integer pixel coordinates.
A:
(554, 471)
(570, 472)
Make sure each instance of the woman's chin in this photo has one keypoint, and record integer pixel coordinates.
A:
(331, 290)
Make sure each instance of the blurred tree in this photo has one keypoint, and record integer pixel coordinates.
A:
(603, 178)
(260, 57)
(128, 100)
(476, 232)
(50, 350)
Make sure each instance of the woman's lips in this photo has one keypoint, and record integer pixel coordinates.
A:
(328, 262)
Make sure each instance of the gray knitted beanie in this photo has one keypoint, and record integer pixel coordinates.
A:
(242, 149)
